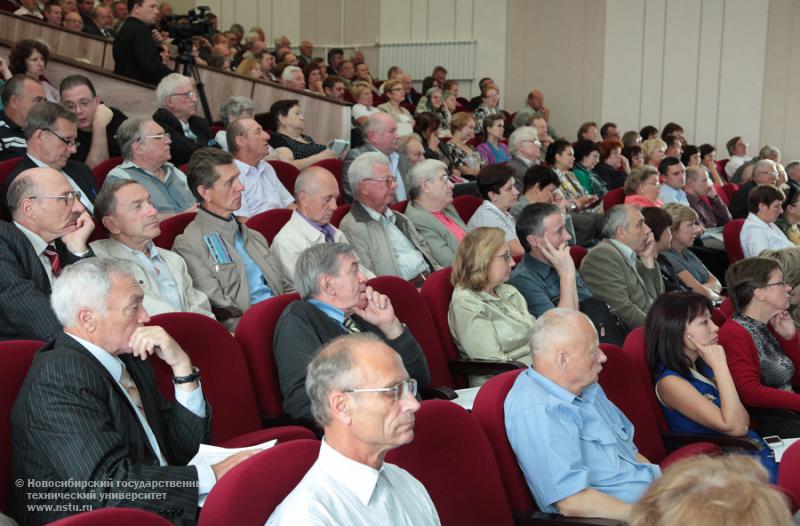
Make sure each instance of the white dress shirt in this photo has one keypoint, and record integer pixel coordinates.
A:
(757, 236)
(340, 491)
(262, 189)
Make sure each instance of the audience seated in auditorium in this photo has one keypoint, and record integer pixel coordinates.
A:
(760, 341)
(574, 446)
(50, 133)
(292, 77)
(692, 381)
(363, 398)
(229, 262)
(546, 276)
(411, 147)
(459, 154)
(588, 131)
(490, 99)
(737, 149)
(236, 107)
(764, 173)
(496, 186)
(699, 187)
(790, 218)
(333, 88)
(380, 135)
(262, 189)
(126, 211)
(622, 269)
(790, 266)
(759, 231)
(654, 151)
(53, 13)
(49, 232)
(524, 115)
(525, 149)
(335, 57)
(363, 108)
(609, 132)
(73, 21)
(561, 157)
(29, 8)
(430, 210)
(642, 187)
(29, 57)
(492, 150)
(90, 411)
(177, 114)
(119, 9)
(674, 146)
(335, 300)
(394, 91)
(541, 185)
(690, 271)
(613, 167)
(673, 178)
(587, 155)
(385, 240)
(137, 54)
(97, 123)
(659, 221)
(145, 149)
(102, 23)
(286, 131)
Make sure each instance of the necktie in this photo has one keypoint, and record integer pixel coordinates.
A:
(133, 391)
(187, 131)
(350, 325)
(55, 260)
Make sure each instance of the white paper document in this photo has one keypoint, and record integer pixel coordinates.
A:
(211, 455)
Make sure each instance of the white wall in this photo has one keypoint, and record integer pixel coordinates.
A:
(275, 17)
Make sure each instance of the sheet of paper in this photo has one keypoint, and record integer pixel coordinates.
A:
(780, 449)
(466, 397)
(210, 455)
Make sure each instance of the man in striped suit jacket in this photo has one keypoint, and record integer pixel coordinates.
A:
(89, 424)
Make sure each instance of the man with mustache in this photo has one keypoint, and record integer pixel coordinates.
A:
(125, 209)
(51, 134)
(364, 399)
(49, 231)
(335, 300)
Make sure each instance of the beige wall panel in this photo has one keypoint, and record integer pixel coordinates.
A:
(679, 80)
(781, 58)
(490, 56)
(652, 62)
(521, 56)
(252, 13)
(442, 20)
(360, 22)
(708, 69)
(279, 17)
(622, 65)
(592, 37)
(395, 20)
(419, 21)
(790, 145)
(463, 19)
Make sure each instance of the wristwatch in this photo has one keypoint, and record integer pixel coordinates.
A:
(189, 378)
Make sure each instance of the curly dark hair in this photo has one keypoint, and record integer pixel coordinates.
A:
(24, 49)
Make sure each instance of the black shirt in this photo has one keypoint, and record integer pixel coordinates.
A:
(12, 139)
(85, 138)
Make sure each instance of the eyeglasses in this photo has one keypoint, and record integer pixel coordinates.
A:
(776, 284)
(536, 142)
(158, 137)
(506, 257)
(68, 142)
(82, 104)
(189, 94)
(388, 181)
(69, 197)
(398, 391)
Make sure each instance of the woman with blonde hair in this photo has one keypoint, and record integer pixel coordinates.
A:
(653, 151)
(642, 187)
(489, 319)
(250, 67)
(363, 108)
(395, 93)
(730, 490)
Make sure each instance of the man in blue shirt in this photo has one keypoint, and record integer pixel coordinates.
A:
(574, 446)
(673, 173)
(546, 276)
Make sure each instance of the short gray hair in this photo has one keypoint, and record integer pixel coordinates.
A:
(86, 284)
(363, 167)
(523, 133)
(422, 172)
(791, 167)
(235, 107)
(615, 218)
(128, 133)
(288, 71)
(316, 261)
(768, 151)
(44, 115)
(333, 369)
(553, 325)
(168, 85)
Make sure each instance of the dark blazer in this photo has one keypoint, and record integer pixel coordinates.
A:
(738, 208)
(303, 328)
(72, 420)
(25, 311)
(403, 165)
(136, 54)
(77, 171)
(183, 147)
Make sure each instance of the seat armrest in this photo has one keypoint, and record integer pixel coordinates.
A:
(761, 414)
(288, 421)
(479, 367)
(441, 393)
(673, 441)
(538, 518)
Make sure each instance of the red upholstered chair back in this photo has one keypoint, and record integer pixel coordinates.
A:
(437, 292)
(489, 412)
(115, 516)
(254, 333)
(727, 307)
(7, 166)
(100, 171)
(286, 172)
(15, 360)
(412, 310)
(336, 167)
(718, 316)
(249, 493)
(613, 197)
(452, 458)
(171, 228)
(400, 206)
(723, 194)
(338, 214)
(789, 474)
(578, 253)
(730, 236)
(730, 190)
(270, 222)
(226, 382)
(466, 205)
(626, 380)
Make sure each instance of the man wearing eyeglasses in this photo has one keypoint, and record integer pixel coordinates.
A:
(364, 399)
(19, 95)
(97, 123)
(50, 230)
(51, 134)
(177, 114)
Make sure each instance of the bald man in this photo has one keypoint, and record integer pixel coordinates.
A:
(50, 230)
(574, 446)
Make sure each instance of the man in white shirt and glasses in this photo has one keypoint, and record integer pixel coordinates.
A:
(364, 399)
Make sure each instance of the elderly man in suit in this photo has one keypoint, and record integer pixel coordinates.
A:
(125, 209)
(380, 132)
(622, 269)
(430, 209)
(49, 232)
(385, 240)
(51, 133)
(89, 410)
